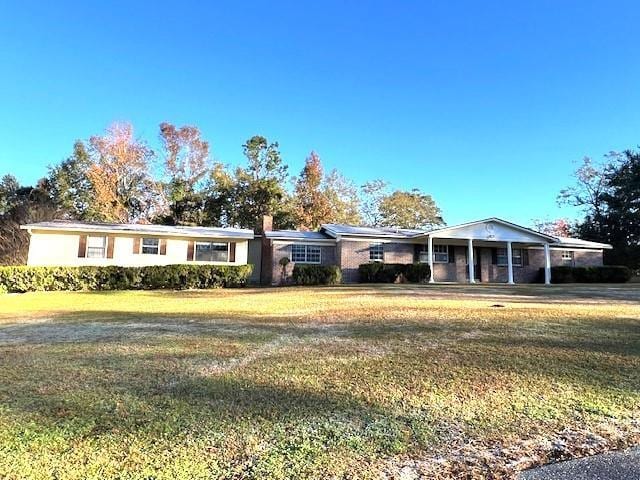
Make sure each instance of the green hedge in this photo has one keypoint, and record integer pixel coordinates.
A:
(603, 274)
(30, 279)
(316, 274)
(392, 272)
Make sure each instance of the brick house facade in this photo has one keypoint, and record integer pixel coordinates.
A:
(488, 241)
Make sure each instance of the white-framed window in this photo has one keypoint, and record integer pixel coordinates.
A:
(151, 246)
(441, 254)
(516, 257)
(212, 252)
(424, 257)
(305, 253)
(376, 252)
(567, 257)
(96, 247)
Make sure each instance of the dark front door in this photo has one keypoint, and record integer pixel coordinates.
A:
(477, 273)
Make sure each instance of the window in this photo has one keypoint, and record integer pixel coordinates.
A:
(516, 257)
(305, 254)
(424, 257)
(376, 252)
(96, 247)
(441, 253)
(151, 246)
(567, 257)
(212, 252)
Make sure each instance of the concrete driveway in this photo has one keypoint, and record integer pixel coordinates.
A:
(623, 465)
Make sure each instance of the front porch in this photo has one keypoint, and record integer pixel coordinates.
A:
(489, 251)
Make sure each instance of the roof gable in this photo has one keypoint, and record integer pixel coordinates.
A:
(493, 229)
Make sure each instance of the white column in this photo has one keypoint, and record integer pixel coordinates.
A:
(547, 265)
(472, 273)
(430, 252)
(510, 263)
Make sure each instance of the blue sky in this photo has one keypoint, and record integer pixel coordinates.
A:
(485, 105)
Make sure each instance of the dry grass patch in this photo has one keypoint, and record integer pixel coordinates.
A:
(345, 382)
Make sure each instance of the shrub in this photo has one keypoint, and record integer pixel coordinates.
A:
(30, 279)
(393, 272)
(316, 274)
(602, 274)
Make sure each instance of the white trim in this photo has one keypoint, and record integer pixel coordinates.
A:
(435, 233)
(319, 243)
(573, 249)
(141, 252)
(233, 234)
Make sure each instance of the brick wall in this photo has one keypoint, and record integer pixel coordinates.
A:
(281, 250)
(352, 254)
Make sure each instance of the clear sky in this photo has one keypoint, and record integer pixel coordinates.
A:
(485, 105)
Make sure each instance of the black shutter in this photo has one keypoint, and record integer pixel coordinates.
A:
(452, 254)
(494, 256)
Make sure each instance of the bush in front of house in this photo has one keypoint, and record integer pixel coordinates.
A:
(601, 274)
(316, 274)
(177, 277)
(392, 272)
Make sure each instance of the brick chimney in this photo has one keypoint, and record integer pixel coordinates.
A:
(266, 260)
(266, 225)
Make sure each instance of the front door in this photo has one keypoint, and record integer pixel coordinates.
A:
(477, 273)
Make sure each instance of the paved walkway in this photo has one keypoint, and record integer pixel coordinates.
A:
(608, 466)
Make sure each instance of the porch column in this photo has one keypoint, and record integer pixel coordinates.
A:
(472, 273)
(430, 252)
(547, 265)
(510, 263)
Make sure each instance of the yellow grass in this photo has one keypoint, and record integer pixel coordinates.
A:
(362, 381)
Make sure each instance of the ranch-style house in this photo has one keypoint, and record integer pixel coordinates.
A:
(486, 251)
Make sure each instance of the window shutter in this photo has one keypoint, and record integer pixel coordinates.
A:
(452, 254)
(136, 245)
(525, 257)
(232, 251)
(110, 243)
(494, 256)
(190, 249)
(82, 246)
(163, 246)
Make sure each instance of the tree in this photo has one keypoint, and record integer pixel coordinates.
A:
(622, 212)
(258, 188)
(24, 205)
(311, 204)
(186, 164)
(119, 174)
(587, 193)
(343, 198)
(372, 193)
(70, 187)
(412, 209)
(9, 187)
(264, 160)
(559, 227)
(610, 196)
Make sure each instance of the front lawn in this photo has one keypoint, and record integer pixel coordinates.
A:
(347, 382)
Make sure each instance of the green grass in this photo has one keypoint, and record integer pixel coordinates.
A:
(343, 382)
